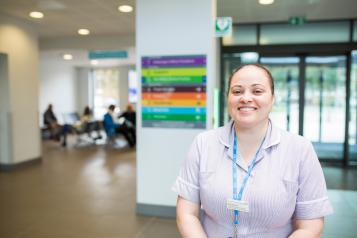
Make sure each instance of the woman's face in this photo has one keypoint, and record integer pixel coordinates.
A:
(250, 97)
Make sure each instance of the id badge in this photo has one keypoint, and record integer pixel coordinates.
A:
(238, 205)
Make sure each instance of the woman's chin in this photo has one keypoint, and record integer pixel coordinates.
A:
(245, 123)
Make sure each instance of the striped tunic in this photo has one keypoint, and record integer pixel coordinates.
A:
(286, 182)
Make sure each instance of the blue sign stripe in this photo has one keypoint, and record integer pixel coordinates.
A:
(107, 54)
(174, 110)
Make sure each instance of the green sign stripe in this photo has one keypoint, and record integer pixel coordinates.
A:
(181, 79)
(173, 72)
(170, 117)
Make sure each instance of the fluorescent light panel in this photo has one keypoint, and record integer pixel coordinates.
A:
(125, 8)
(83, 31)
(266, 2)
(67, 57)
(37, 15)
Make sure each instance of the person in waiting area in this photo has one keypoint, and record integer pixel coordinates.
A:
(87, 124)
(130, 121)
(250, 178)
(114, 128)
(56, 130)
(129, 115)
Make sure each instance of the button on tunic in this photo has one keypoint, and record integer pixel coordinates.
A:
(286, 182)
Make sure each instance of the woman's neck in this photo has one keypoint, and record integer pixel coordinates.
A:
(249, 139)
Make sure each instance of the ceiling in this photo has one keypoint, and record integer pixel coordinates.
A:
(244, 11)
(65, 17)
(58, 29)
(101, 17)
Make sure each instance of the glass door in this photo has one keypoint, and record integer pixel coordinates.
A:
(324, 113)
(285, 72)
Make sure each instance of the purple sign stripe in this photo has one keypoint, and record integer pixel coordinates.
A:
(173, 61)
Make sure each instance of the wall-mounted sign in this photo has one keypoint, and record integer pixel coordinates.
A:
(174, 91)
(118, 54)
(223, 26)
(297, 20)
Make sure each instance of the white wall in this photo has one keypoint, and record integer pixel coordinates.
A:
(67, 87)
(170, 28)
(57, 86)
(5, 123)
(124, 85)
(82, 86)
(19, 41)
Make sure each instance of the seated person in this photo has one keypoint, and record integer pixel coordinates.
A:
(87, 124)
(56, 130)
(111, 127)
(50, 120)
(130, 120)
(129, 115)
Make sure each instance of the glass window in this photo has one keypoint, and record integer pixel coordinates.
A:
(242, 35)
(106, 90)
(321, 32)
(133, 86)
(353, 109)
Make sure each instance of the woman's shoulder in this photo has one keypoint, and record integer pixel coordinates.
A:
(215, 133)
(293, 139)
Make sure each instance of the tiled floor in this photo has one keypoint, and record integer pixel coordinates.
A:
(90, 192)
(343, 223)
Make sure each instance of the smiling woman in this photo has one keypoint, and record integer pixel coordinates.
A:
(251, 178)
(250, 96)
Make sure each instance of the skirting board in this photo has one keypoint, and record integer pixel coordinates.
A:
(156, 210)
(10, 167)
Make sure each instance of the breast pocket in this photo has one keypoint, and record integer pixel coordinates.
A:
(273, 202)
(290, 188)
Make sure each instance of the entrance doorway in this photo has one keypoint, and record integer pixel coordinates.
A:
(310, 96)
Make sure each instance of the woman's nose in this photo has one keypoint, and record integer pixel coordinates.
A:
(246, 97)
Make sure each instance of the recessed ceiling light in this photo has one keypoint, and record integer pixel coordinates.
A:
(94, 62)
(67, 57)
(125, 8)
(83, 32)
(37, 15)
(266, 2)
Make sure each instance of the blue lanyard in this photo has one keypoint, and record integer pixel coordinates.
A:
(236, 195)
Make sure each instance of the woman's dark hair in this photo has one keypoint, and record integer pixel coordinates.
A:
(87, 111)
(258, 66)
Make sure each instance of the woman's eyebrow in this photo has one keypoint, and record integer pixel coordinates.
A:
(256, 84)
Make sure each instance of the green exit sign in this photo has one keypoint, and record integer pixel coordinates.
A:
(297, 20)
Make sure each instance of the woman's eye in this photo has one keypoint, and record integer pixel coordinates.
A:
(236, 91)
(258, 91)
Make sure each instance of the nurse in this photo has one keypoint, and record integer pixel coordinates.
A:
(249, 178)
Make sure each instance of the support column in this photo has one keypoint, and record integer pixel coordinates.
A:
(171, 29)
(19, 123)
